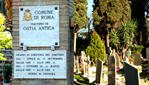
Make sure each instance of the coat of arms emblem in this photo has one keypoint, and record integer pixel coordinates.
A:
(27, 15)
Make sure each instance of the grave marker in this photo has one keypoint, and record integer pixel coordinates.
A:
(99, 68)
(137, 59)
(131, 74)
(147, 55)
(147, 52)
(111, 70)
(117, 60)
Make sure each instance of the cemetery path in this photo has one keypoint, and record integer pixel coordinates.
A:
(143, 83)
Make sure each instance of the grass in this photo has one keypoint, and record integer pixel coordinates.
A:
(121, 72)
(80, 80)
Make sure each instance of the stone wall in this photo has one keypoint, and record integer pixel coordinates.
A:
(66, 38)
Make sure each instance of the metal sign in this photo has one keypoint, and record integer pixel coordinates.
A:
(39, 26)
(42, 64)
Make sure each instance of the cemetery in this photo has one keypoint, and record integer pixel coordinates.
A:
(74, 42)
(110, 51)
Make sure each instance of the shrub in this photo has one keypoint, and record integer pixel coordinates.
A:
(96, 50)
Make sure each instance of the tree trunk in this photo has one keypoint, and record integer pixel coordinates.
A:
(75, 42)
(107, 39)
(107, 42)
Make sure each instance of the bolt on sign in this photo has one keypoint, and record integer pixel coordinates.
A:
(39, 26)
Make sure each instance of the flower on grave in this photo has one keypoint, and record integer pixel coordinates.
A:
(139, 69)
(10, 77)
(129, 59)
(1, 78)
(81, 64)
(117, 69)
(2, 19)
(122, 78)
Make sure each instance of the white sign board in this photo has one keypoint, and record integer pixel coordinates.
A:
(42, 64)
(39, 25)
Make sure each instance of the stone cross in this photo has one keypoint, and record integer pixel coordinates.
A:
(99, 71)
(111, 70)
(131, 74)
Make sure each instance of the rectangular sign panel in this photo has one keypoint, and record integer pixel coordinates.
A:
(42, 64)
(39, 25)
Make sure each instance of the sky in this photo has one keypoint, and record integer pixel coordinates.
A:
(90, 7)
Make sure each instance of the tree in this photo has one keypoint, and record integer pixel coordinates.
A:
(128, 33)
(5, 37)
(96, 49)
(109, 14)
(8, 7)
(80, 17)
(84, 37)
(124, 37)
(114, 38)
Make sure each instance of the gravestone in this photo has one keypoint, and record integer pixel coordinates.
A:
(88, 67)
(111, 70)
(42, 42)
(83, 58)
(147, 55)
(131, 74)
(137, 59)
(78, 64)
(99, 68)
(117, 60)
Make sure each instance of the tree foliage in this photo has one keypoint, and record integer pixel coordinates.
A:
(128, 33)
(136, 48)
(114, 38)
(96, 49)
(80, 18)
(5, 37)
(124, 37)
(108, 14)
(80, 14)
